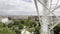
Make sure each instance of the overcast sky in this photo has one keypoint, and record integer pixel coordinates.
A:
(21, 7)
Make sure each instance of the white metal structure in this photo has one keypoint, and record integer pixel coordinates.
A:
(47, 10)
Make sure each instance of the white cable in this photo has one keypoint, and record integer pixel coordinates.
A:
(55, 7)
(57, 3)
(55, 24)
(50, 4)
(51, 17)
(37, 10)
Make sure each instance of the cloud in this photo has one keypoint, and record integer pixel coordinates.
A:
(28, 1)
(20, 7)
(16, 7)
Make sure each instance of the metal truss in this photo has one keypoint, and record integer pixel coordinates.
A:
(50, 11)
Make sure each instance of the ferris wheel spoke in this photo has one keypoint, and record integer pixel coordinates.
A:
(57, 3)
(54, 9)
(35, 2)
(50, 4)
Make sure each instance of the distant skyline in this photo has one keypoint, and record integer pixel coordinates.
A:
(21, 7)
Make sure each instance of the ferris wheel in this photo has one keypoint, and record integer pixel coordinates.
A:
(49, 7)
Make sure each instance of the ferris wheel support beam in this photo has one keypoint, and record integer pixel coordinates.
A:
(44, 25)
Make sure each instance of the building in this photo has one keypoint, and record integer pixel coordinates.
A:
(18, 17)
(24, 31)
(4, 19)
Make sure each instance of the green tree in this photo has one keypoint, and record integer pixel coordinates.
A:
(6, 30)
(57, 29)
